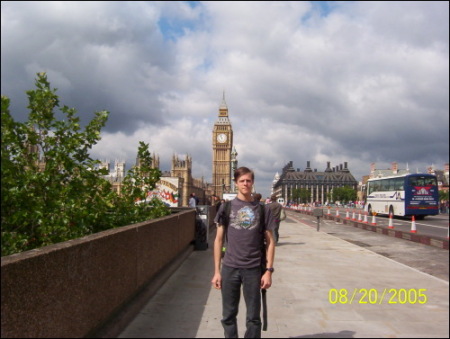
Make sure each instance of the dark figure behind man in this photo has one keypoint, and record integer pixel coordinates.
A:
(276, 209)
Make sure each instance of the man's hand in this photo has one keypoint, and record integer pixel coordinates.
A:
(217, 281)
(266, 280)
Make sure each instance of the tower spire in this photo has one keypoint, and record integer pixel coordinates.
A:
(223, 105)
(223, 110)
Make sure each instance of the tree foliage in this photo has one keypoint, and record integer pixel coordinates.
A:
(302, 195)
(137, 185)
(344, 194)
(51, 190)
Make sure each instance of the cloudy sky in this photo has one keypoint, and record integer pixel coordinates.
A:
(349, 81)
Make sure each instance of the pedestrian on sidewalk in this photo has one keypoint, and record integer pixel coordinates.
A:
(277, 211)
(241, 266)
(257, 197)
(192, 202)
(197, 200)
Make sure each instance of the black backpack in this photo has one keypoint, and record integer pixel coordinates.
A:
(262, 228)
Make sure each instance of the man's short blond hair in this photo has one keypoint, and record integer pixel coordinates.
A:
(242, 171)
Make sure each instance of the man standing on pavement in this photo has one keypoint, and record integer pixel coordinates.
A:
(276, 209)
(242, 260)
(192, 203)
(197, 200)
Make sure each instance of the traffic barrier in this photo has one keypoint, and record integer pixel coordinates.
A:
(413, 225)
(390, 221)
(374, 222)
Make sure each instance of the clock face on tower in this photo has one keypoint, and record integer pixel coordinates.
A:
(221, 138)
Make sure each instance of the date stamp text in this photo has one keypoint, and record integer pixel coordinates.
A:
(374, 296)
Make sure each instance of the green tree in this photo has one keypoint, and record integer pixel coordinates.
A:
(295, 195)
(51, 190)
(138, 184)
(344, 194)
(301, 195)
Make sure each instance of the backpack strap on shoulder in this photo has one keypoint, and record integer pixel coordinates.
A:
(226, 213)
(262, 218)
(226, 217)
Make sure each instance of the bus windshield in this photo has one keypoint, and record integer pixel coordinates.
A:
(422, 181)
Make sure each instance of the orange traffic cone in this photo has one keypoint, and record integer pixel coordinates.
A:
(373, 219)
(413, 225)
(359, 217)
(346, 215)
(353, 216)
(365, 218)
(390, 221)
(337, 213)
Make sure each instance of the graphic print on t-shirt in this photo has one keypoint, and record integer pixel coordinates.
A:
(245, 218)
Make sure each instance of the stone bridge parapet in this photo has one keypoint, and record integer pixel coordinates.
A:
(72, 289)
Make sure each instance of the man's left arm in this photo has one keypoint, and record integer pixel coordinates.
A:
(266, 279)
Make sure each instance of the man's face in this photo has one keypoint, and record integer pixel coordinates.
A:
(245, 184)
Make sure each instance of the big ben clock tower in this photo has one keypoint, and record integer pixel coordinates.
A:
(222, 144)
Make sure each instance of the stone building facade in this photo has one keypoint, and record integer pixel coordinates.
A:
(179, 190)
(441, 175)
(182, 168)
(320, 184)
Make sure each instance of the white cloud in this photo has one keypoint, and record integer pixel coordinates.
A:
(355, 82)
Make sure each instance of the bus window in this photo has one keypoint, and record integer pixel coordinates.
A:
(374, 186)
(398, 184)
(431, 182)
(371, 187)
(418, 181)
(415, 181)
(391, 184)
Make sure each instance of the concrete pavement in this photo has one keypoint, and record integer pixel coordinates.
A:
(323, 287)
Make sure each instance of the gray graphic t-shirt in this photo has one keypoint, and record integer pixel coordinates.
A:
(244, 233)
